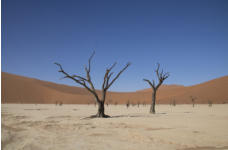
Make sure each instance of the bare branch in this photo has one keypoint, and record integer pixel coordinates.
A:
(117, 76)
(107, 77)
(113, 65)
(78, 79)
(90, 58)
(151, 84)
(81, 78)
(157, 70)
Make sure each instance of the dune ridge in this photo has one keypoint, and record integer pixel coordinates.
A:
(19, 89)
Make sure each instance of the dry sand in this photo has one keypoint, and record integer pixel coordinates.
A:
(50, 127)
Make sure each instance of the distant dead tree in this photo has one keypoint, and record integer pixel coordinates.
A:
(60, 103)
(174, 102)
(193, 100)
(138, 103)
(161, 77)
(127, 104)
(87, 83)
(209, 103)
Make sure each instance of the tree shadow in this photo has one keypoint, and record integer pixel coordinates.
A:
(122, 116)
(128, 116)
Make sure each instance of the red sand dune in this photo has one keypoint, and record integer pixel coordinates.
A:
(18, 89)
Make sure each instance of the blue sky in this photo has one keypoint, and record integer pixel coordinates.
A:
(188, 38)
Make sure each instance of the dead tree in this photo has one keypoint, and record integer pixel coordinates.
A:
(174, 102)
(128, 104)
(209, 103)
(144, 104)
(138, 103)
(87, 83)
(161, 77)
(193, 100)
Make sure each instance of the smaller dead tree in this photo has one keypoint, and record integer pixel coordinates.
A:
(174, 102)
(193, 100)
(144, 104)
(128, 104)
(209, 103)
(138, 104)
(161, 75)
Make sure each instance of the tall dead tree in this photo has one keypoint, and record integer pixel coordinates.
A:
(161, 77)
(87, 83)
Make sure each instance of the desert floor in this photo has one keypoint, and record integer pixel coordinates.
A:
(50, 127)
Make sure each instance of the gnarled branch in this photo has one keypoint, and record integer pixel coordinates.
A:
(117, 76)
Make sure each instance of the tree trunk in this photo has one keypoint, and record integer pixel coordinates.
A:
(152, 107)
(100, 113)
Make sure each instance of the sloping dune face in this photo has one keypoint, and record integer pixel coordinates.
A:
(18, 89)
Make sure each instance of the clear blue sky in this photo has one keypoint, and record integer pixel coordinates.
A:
(188, 37)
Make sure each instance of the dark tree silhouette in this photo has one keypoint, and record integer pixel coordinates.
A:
(209, 103)
(193, 100)
(161, 77)
(144, 104)
(87, 83)
(174, 102)
(128, 104)
(138, 103)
